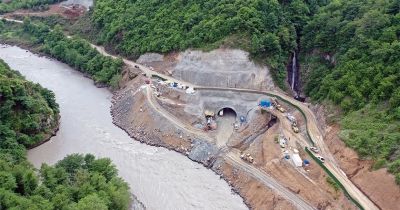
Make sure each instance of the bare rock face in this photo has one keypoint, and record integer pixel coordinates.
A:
(222, 68)
(150, 57)
(86, 3)
(218, 68)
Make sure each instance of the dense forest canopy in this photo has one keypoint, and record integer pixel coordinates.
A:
(13, 5)
(267, 29)
(74, 51)
(28, 113)
(363, 36)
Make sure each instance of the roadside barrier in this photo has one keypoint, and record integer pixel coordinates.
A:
(159, 77)
(308, 134)
(333, 177)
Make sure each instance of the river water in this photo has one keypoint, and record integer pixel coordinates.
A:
(161, 179)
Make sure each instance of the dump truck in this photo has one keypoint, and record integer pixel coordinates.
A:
(247, 158)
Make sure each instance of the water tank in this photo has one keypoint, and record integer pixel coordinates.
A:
(306, 162)
(241, 119)
(267, 103)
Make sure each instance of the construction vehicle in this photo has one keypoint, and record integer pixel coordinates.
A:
(277, 105)
(247, 158)
(295, 128)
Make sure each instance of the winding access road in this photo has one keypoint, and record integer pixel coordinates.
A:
(312, 126)
(234, 158)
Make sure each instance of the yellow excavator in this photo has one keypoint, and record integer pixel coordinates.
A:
(294, 127)
(281, 109)
(247, 157)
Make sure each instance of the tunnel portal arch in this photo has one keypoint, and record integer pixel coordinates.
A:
(227, 111)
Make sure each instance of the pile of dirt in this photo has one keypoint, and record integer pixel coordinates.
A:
(54, 9)
(378, 185)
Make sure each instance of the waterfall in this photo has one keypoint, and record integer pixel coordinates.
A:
(294, 69)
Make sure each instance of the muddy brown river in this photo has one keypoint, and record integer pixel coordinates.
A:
(161, 179)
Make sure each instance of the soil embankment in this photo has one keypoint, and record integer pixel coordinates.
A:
(378, 185)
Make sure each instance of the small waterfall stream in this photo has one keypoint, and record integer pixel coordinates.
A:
(294, 69)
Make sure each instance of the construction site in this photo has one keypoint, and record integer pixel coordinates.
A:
(255, 142)
(250, 134)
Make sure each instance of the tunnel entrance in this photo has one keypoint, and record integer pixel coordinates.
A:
(226, 125)
(226, 112)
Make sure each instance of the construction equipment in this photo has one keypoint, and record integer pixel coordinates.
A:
(295, 128)
(281, 109)
(247, 157)
(277, 105)
(294, 122)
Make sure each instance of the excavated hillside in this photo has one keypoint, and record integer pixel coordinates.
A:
(217, 68)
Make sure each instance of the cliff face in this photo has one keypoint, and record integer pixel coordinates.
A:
(217, 68)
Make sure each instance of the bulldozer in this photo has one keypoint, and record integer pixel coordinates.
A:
(247, 157)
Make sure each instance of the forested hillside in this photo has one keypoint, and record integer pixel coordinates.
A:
(364, 79)
(27, 113)
(35, 5)
(267, 29)
(74, 51)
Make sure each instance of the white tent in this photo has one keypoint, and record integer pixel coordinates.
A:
(297, 160)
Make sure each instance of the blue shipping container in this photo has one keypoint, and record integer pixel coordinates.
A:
(267, 103)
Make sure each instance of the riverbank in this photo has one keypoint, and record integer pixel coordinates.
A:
(87, 128)
(49, 136)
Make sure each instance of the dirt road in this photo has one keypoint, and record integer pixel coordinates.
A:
(312, 126)
(189, 129)
(267, 180)
(234, 158)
